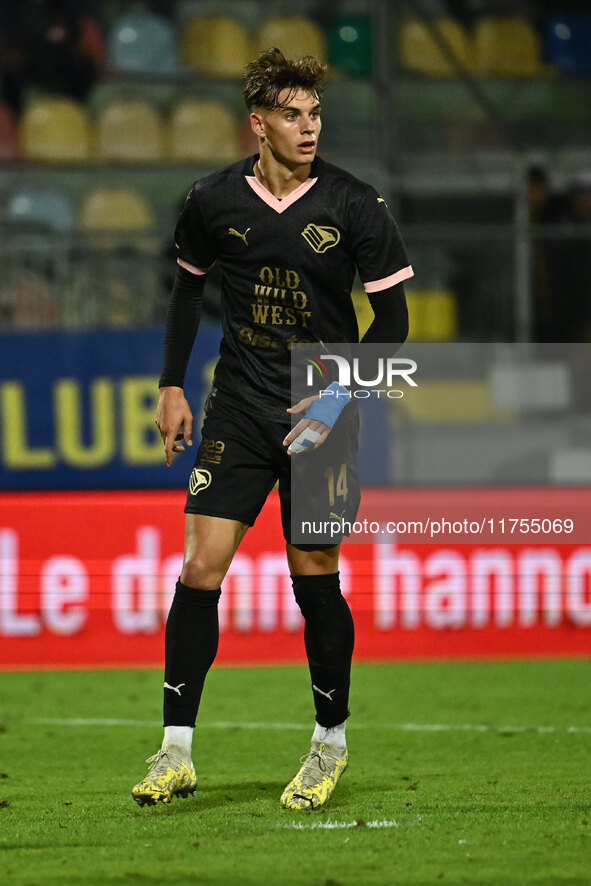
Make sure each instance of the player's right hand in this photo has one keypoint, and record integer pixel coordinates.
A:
(174, 420)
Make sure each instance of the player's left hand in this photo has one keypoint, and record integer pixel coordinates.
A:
(312, 440)
(174, 420)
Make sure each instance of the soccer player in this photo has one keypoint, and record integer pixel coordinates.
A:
(289, 231)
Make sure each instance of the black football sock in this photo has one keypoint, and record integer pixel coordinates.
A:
(190, 645)
(329, 637)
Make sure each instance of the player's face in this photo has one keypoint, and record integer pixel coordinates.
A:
(291, 132)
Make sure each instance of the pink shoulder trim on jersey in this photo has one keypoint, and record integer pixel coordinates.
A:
(274, 202)
(191, 268)
(387, 282)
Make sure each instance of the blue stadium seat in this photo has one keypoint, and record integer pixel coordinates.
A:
(142, 43)
(568, 43)
(40, 208)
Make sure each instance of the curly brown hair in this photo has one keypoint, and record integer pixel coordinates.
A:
(271, 72)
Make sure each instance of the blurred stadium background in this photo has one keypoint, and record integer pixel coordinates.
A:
(473, 119)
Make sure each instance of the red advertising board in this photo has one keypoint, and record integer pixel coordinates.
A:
(86, 580)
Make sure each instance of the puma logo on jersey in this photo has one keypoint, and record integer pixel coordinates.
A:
(338, 517)
(321, 237)
(326, 694)
(199, 480)
(235, 233)
(176, 689)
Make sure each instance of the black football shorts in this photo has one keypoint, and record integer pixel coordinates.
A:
(241, 457)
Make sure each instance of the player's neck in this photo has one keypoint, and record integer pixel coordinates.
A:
(278, 178)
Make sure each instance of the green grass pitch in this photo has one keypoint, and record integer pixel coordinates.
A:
(460, 773)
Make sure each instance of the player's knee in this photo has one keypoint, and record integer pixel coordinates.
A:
(199, 573)
(312, 560)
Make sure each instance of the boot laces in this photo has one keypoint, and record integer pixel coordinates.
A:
(316, 764)
(160, 764)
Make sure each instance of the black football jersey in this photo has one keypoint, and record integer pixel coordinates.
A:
(287, 269)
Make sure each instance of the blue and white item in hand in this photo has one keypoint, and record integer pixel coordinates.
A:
(326, 409)
(304, 441)
(329, 405)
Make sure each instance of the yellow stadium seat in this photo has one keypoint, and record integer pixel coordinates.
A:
(294, 35)
(418, 51)
(432, 315)
(452, 400)
(115, 209)
(121, 258)
(440, 321)
(507, 47)
(216, 46)
(55, 129)
(129, 131)
(204, 131)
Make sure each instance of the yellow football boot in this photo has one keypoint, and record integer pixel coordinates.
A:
(171, 775)
(316, 780)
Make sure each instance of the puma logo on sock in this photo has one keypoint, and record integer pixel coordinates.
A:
(177, 689)
(316, 689)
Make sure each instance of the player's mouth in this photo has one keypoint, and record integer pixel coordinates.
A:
(307, 147)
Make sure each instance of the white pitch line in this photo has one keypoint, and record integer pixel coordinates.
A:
(397, 727)
(218, 724)
(334, 825)
(91, 721)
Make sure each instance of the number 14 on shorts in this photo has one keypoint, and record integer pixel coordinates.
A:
(338, 489)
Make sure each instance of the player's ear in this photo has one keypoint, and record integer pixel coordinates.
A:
(257, 124)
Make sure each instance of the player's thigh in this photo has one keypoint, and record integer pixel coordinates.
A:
(234, 470)
(210, 545)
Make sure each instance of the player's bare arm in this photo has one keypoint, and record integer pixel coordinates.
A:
(174, 420)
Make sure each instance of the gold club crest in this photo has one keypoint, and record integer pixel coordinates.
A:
(321, 237)
(199, 480)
